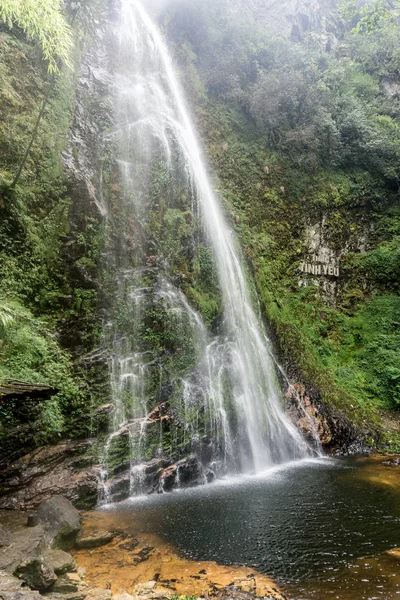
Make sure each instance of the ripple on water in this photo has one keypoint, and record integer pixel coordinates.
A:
(309, 525)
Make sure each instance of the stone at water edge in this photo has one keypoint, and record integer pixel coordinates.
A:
(61, 561)
(61, 521)
(67, 584)
(94, 540)
(393, 462)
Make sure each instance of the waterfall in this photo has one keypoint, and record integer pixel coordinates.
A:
(233, 386)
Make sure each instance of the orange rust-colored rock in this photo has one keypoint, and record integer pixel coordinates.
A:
(135, 562)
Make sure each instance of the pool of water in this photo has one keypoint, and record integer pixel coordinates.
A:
(321, 528)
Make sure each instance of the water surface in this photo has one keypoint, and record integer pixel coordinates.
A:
(319, 527)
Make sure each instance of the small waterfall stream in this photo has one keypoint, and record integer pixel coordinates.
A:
(231, 395)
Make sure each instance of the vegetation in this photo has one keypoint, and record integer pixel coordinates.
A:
(43, 302)
(302, 138)
(45, 21)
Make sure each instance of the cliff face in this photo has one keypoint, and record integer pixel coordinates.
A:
(302, 145)
(294, 142)
(293, 18)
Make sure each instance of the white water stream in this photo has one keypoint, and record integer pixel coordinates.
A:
(152, 116)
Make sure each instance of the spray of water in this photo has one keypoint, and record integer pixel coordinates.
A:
(152, 116)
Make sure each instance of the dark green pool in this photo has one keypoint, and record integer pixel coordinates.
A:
(307, 525)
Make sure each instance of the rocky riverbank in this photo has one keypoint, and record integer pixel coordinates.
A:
(55, 554)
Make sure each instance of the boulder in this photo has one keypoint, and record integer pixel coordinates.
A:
(168, 478)
(66, 585)
(61, 522)
(123, 597)
(28, 543)
(60, 561)
(36, 573)
(94, 540)
(118, 489)
(190, 471)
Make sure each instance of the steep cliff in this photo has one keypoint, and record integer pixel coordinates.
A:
(301, 131)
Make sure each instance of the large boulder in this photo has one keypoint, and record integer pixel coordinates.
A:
(61, 522)
(60, 561)
(36, 573)
(28, 543)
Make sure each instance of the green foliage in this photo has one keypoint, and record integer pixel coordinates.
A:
(370, 17)
(29, 352)
(7, 315)
(297, 136)
(44, 21)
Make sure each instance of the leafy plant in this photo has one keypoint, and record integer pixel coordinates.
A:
(42, 20)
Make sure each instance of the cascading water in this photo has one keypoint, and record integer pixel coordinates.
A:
(230, 394)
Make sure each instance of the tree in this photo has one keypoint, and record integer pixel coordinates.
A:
(42, 20)
(371, 16)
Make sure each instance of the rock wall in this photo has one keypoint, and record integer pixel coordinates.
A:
(292, 18)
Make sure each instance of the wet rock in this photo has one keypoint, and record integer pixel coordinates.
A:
(94, 540)
(306, 416)
(118, 489)
(102, 416)
(61, 522)
(209, 475)
(154, 465)
(66, 584)
(394, 462)
(160, 413)
(36, 573)
(325, 426)
(168, 478)
(394, 553)
(151, 474)
(49, 471)
(190, 471)
(60, 561)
